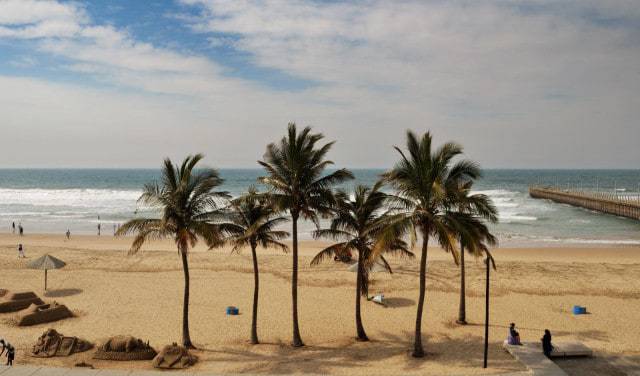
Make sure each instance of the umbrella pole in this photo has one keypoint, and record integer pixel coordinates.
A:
(45, 280)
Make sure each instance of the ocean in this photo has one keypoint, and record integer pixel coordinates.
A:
(54, 200)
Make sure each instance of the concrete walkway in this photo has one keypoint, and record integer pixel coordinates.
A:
(51, 371)
(532, 357)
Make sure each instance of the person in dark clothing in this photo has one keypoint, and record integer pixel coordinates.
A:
(11, 354)
(547, 347)
(13, 227)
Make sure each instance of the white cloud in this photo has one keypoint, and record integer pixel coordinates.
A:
(534, 84)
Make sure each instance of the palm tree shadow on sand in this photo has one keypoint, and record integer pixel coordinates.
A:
(280, 358)
(398, 302)
(60, 293)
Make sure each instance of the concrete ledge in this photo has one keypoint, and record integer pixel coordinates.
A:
(530, 354)
(564, 349)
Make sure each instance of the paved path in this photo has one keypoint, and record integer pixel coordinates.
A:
(532, 357)
(51, 371)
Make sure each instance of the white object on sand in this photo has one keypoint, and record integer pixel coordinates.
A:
(378, 299)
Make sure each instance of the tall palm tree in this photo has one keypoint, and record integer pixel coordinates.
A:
(252, 224)
(356, 225)
(188, 203)
(298, 184)
(477, 238)
(426, 181)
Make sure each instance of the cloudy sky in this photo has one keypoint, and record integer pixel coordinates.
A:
(126, 83)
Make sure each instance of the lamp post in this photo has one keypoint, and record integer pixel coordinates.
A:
(486, 316)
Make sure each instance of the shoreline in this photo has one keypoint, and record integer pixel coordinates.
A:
(503, 244)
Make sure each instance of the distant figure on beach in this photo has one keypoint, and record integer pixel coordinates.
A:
(98, 229)
(13, 229)
(114, 229)
(11, 354)
(20, 229)
(10, 351)
(514, 336)
(21, 251)
(547, 347)
(68, 234)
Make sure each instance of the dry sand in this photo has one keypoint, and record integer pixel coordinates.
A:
(112, 293)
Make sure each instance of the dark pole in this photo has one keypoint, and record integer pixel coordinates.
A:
(45, 280)
(486, 318)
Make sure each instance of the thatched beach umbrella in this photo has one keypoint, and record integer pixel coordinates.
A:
(45, 263)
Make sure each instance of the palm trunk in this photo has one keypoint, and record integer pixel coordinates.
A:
(297, 340)
(462, 313)
(256, 282)
(186, 338)
(418, 351)
(362, 336)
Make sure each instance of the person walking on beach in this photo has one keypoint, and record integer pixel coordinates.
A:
(21, 251)
(68, 234)
(20, 229)
(98, 229)
(11, 354)
(10, 351)
(13, 227)
(547, 347)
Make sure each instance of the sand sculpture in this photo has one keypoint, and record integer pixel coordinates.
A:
(51, 343)
(174, 357)
(13, 302)
(39, 314)
(125, 348)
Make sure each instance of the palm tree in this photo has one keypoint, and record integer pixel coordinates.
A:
(477, 239)
(295, 176)
(253, 222)
(426, 182)
(188, 204)
(356, 226)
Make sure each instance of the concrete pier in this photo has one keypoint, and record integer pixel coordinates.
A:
(610, 203)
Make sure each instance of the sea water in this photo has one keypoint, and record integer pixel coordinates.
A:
(54, 200)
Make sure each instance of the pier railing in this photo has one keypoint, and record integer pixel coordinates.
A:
(605, 202)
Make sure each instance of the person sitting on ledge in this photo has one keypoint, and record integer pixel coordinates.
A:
(547, 347)
(514, 336)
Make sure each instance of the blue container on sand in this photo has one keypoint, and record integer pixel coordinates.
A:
(231, 310)
(579, 310)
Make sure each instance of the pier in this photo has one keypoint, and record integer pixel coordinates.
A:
(606, 202)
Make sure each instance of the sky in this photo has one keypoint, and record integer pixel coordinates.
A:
(520, 84)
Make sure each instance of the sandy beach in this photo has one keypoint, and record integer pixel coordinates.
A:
(112, 293)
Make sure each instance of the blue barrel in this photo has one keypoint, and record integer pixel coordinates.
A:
(578, 310)
(231, 310)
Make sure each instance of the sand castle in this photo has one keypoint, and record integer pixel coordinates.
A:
(174, 357)
(43, 313)
(13, 302)
(51, 343)
(125, 348)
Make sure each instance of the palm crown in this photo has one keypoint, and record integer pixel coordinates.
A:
(357, 226)
(295, 168)
(188, 203)
(253, 222)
